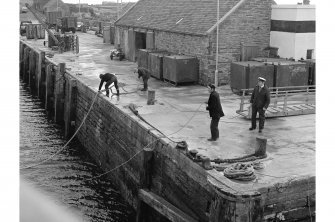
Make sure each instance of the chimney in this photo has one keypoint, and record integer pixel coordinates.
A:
(306, 2)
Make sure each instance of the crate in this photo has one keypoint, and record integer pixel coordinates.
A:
(180, 69)
(244, 75)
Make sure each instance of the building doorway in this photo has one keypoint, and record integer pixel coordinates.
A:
(140, 42)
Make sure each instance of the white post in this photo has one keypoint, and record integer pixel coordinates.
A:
(216, 75)
(118, 9)
(79, 10)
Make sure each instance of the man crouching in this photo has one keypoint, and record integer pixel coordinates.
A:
(109, 78)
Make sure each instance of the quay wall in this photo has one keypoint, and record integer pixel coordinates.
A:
(114, 135)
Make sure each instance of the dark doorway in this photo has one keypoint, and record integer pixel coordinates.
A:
(140, 42)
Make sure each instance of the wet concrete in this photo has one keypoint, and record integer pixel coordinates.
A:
(291, 140)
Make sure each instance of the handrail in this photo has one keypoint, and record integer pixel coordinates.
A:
(283, 96)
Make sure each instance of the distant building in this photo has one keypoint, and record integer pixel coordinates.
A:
(51, 5)
(189, 27)
(293, 31)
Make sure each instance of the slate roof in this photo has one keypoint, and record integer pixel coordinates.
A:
(197, 15)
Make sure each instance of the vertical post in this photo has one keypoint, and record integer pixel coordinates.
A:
(59, 94)
(242, 101)
(32, 69)
(26, 65)
(307, 97)
(69, 107)
(49, 88)
(285, 102)
(151, 97)
(216, 75)
(41, 77)
(77, 44)
(22, 46)
(275, 103)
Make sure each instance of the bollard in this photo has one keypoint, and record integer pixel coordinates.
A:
(59, 95)
(151, 97)
(261, 146)
(69, 107)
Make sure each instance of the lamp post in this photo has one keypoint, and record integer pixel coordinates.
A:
(216, 74)
(79, 10)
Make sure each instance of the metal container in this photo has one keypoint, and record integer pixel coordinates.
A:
(290, 73)
(244, 75)
(180, 69)
(35, 31)
(310, 66)
(53, 16)
(142, 58)
(155, 62)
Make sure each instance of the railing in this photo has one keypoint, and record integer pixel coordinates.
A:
(282, 97)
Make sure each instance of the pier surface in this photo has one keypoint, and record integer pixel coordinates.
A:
(290, 140)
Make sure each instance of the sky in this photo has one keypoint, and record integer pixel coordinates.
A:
(99, 1)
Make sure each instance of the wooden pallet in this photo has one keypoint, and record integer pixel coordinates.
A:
(291, 110)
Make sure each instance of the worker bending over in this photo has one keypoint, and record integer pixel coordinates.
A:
(109, 78)
(145, 74)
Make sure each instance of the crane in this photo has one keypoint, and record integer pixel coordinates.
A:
(42, 21)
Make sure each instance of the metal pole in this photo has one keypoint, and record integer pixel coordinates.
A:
(216, 75)
(79, 10)
(118, 9)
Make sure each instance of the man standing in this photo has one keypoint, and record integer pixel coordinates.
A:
(145, 74)
(260, 100)
(109, 78)
(215, 111)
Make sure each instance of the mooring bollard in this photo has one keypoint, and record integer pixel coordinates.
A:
(151, 97)
(59, 94)
(261, 146)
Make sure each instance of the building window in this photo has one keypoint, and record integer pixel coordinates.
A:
(310, 53)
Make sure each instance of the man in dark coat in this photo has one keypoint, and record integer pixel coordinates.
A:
(145, 74)
(215, 111)
(260, 100)
(109, 78)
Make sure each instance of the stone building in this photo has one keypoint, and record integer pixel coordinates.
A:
(189, 27)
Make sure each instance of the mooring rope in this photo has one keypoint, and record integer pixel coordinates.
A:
(60, 150)
(164, 136)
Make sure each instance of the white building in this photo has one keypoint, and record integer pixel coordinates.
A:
(293, 31)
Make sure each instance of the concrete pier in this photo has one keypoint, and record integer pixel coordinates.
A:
(157, 175)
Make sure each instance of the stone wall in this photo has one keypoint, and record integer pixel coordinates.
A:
(248, 25)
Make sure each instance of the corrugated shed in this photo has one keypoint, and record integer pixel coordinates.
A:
(184, 16)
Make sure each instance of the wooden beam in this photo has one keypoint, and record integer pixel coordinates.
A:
(231, 11)
(164, 207)
(59, 94)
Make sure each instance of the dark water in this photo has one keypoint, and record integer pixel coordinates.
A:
(65, 177)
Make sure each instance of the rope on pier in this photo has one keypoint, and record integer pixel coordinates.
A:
(60, 150)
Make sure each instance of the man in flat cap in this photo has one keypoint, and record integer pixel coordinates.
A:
(145, 74)
(215, 111)
(260, 100)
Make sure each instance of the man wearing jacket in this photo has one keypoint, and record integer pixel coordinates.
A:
(215, 112)
(260, 100)
(109, 78)
(145, 74)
